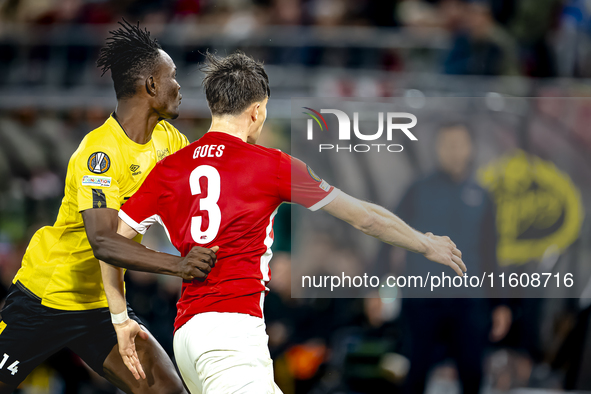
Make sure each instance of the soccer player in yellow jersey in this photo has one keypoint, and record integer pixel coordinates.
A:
(57, 298)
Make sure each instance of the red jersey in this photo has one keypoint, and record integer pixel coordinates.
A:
(221, 191)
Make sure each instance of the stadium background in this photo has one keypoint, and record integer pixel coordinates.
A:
(51, 95)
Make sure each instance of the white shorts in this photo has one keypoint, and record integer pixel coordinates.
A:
(225, 353)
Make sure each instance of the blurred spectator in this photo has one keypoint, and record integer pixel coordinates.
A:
(484, 47)
(418, 13)
(364, 354)
(531, 25)
(449, 202)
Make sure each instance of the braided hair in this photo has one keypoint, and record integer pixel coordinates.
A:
(129, 53)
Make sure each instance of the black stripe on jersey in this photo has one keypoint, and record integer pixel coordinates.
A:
(98, 199)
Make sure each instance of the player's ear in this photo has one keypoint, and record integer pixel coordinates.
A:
(150, 86)
(254, 113)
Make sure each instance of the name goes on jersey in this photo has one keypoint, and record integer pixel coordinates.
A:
(209, 151)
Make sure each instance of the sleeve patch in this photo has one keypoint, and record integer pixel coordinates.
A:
(99, 162)
(98, 199)
(98, 181)
(324, 186)
(313, 175)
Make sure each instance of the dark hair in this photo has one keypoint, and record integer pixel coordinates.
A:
(128, 53)
(233, 83)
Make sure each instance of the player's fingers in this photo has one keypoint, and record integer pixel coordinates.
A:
(140, 370)
(197, 270)
(130, 365)
(196, 273)
(459, 263)
(213, 256)
(144, 335)
(138, 365)
(203, 253)
(203, 267)
(457, 252)
(456, 268)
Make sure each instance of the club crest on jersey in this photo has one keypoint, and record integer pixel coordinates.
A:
(313, 175)
(99, 162)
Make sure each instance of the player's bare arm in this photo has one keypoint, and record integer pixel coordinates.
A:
(382, 224)
(128, 329)
(110, 247)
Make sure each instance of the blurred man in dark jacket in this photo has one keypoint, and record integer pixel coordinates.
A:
(450, 202)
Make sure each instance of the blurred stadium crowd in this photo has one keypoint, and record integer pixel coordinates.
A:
(51, 95)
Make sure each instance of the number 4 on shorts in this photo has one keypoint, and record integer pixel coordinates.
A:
(12, 367)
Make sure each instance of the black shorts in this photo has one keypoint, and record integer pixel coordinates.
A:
(31, 332)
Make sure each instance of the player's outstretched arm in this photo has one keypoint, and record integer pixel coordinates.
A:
(382, 224)
(107, 245)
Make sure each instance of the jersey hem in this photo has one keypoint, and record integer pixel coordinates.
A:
(95, 305)
(247, 305)
(60, 307)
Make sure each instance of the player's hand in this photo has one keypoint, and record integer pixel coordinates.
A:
(126, 334)
(443, 251)
(197, 264)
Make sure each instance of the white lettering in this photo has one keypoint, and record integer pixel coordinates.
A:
(371, 137)
(404, 127)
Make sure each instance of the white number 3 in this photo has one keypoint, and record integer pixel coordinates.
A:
(208, 203)
(12, 367)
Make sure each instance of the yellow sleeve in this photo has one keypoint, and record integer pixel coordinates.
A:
(95, 176)
(185, 141)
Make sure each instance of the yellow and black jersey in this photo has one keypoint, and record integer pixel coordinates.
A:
(107, 169)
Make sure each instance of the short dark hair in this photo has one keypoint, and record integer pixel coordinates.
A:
(233, 83)
(128, 53)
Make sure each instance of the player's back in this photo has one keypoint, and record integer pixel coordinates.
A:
(221, 191)
(222, 174)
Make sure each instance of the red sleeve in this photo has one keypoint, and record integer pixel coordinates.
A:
(141, 210)
(299, 184)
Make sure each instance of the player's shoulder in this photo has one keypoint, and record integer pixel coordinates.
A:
(168, 135)
(271, 152)
(168, 128)
(171, 132)
(103, 139)
(102, 134)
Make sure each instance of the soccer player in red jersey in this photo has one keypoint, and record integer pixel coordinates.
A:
(224, 190)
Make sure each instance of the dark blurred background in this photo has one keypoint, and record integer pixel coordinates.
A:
(52, 94)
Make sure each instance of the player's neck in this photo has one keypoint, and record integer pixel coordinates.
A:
(232, 125)
(137, 121)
